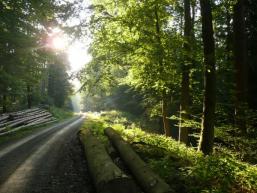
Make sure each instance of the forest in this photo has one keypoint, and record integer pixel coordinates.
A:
(31, 71)
(188, 66)
(186, 69)
(176, 77)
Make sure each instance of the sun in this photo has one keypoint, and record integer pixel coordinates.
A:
(57, 40)
(59, 43)
(77, 51)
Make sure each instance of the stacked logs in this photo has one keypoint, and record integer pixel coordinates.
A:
(27, 118)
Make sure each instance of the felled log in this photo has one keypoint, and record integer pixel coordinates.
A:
(15, 121)
(2, 129)
(25, 111)
(24, 121)
(25, 126)
(146, 178)
(107, 177)
(15, 115)
(3, 118)
(24, 115)
(38, 121)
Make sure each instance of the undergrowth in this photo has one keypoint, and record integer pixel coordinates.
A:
(60, 113)
(185, 169)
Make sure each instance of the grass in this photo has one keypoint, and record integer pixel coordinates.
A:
(60, 113)
(243, 147)
(185, 169)
(20, 133)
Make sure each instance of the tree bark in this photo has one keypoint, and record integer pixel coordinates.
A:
(165, 120)
(107, 177)
(185, 97)
(240, 61)
(29, 96)
(207, 130)
(229, 38)
(165, 108)
(148, 180)
(4, 105)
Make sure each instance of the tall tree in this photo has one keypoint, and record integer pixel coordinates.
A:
(139, 35)
(22, 25)
(207, 130)
(185, 95)
(240, 61)
(165, 97)
(252, 62)
(59, 87)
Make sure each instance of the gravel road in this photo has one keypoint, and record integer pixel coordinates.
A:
(47, 161)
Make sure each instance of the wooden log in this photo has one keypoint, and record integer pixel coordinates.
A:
(20, 116)
(107, 177)
(39, 122)
(39, 119)
(24, 121)
(2, 125)
(146, 178)
(25, 126)
(21, 113)
(2, 129)
(12, 118)
(43, 123)
(25, 111)
(3, 118)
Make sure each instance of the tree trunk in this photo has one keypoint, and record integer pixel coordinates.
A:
(184, 107)
(207, 130)
(229, 38)
(184, 101)
(4, 105)
(165, 120)
(148, 180)
(240, 61)
(29, 96)
(251, 23)
(107, 177)
(165, 109)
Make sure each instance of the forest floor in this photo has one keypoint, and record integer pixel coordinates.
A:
(49, 160)
(183, 168)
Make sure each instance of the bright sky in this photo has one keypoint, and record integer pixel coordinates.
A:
(77, 50)
(78, 56)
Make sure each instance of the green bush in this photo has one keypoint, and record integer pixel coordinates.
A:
(185, 169)
(60, 113)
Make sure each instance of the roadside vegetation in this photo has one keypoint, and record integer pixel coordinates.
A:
(61, 113)
(184, 168)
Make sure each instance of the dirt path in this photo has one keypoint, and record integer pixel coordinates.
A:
(50, 161)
